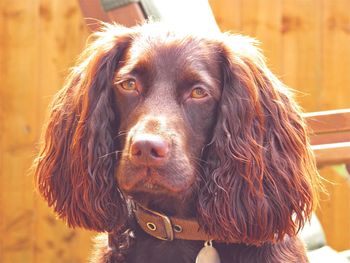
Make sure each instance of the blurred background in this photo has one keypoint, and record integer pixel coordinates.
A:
(306, 42)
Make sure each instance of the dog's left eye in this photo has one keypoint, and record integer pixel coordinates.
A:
(199, 93)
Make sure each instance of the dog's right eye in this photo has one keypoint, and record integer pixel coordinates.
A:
(128, 85)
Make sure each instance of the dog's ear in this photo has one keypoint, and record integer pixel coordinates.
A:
(260, 170)
(76, 165)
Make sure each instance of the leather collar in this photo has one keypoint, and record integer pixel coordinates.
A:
(168, 228)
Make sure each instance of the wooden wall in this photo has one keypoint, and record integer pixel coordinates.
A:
(39, 41)
(307, 43)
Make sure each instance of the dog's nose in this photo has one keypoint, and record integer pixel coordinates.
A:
(150, 150)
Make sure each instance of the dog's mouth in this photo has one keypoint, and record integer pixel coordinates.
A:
(152, 186)
(149, 180)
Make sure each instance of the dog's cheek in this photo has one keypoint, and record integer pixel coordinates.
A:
(201, 120)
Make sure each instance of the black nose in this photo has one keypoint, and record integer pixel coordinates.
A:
(150, 150)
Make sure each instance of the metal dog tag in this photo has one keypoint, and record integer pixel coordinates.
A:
(208, 254)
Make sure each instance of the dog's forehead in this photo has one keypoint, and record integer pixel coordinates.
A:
(165, 50)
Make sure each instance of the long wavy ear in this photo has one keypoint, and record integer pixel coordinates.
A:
(260, 171)
(75, 168)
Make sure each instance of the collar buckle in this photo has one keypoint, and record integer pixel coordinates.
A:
(154, 223)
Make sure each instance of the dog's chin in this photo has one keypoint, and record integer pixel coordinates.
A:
(154, 181)
(156, 188)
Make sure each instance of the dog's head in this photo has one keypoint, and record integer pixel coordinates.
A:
(187, 124)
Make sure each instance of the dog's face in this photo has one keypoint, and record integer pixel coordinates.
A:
(192, 118)
(167, 94)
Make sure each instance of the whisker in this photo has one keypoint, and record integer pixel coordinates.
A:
(107, 154)
(199, 159)
(120, 133)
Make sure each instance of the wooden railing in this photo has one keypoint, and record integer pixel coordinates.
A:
(330, 136)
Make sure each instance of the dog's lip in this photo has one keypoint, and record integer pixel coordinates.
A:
(144, 179)
(147, 186)
(151, 185)
(151, 180)
(148, 179)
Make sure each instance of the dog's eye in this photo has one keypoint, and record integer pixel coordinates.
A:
(128, 85)
(198, 93)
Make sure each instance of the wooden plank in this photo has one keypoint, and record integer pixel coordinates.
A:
(329, 121)
(2, 117)
(263, 22)
(18, 90)
(331, 154)
(335, 93)
(227, 14)
(301, 51)
(327, 138)
(128, 15)
(62, 32)
(93, 10)
(334, 209)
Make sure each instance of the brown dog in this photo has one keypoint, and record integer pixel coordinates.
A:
(184, 128)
